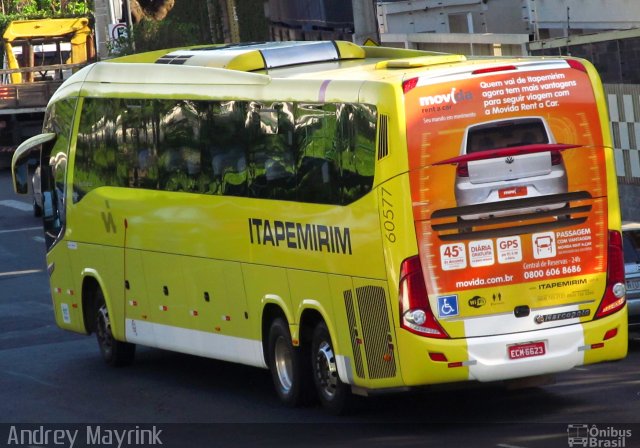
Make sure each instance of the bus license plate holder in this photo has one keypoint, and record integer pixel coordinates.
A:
(528, 350)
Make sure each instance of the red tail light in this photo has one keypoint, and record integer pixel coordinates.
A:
(577, 65)
(556, 158)
(415, 312)
(501, 68)
(613, 299)
(409, 85)
(462, 170)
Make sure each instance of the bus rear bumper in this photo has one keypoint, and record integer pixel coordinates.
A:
(558, 349)
(430, 361)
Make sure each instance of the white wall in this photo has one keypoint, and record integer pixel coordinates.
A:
(583, 14)
(506, 16)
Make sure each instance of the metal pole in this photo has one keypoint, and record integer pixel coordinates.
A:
(130, 26)
(568, 31)
(365, 21)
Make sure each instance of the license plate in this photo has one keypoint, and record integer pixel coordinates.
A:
(513, 192)
(526, 350)
(633, 284)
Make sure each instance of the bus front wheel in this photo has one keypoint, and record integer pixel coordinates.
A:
(115, 353)
(287, 365)
(334, 395)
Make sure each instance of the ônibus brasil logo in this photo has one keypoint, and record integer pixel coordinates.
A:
(452, 97)
(592, 436)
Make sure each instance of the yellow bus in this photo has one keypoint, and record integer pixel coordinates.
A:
(354, 219)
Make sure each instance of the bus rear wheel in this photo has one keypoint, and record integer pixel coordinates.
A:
(334, 395)
(115, 353)
(288, 365)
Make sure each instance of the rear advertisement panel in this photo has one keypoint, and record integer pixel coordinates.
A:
(508, 182)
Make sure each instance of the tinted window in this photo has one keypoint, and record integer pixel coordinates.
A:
(53, 168)
(98, 161)
(321, 153)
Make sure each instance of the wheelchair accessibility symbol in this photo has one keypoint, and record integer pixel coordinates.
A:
(448, 306)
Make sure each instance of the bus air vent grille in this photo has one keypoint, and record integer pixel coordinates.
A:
(383, 137)
(174, 59)
(353, 331)
(376, 332)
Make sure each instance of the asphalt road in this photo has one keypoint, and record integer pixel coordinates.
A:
(55, 380)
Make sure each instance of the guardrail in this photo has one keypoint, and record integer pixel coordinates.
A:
(33, 93)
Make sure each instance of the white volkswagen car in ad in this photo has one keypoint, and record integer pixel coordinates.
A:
(509, 159)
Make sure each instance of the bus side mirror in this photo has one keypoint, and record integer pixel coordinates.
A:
(20, 161)
(21, 176)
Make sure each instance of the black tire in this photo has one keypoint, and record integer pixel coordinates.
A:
(290, 368)
(115, 353)
(334, 395)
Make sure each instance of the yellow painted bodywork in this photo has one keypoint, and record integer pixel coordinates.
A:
(189, 260)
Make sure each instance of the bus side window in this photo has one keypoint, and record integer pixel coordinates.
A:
(100, 145)
(223, 159)
(179, 163)
(136, 145)
(356, 143)
(317, 177)
(270, 154)
(53, 169)
(316, 181)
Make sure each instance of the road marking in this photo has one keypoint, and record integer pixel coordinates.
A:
(38, 239)
(26, 229)
(24, 206)
(27, 272)
(30, 377)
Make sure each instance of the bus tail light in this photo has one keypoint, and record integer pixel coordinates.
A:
(577, 65)
(409, 85)
(415, 312)
(501, 68)
(614, 295)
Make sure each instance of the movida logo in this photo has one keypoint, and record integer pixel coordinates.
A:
(452, 97)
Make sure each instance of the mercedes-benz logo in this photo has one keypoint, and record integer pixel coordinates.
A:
(509, 160)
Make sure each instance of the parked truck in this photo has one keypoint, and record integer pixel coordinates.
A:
(38, 56)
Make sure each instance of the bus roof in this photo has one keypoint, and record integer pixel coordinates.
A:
(261, 64)
(286, 59)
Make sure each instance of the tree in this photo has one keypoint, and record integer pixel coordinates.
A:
(44, 7)
(150, 9)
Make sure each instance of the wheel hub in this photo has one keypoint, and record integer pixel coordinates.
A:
(104, 327)
(284, 365)
(326, 370)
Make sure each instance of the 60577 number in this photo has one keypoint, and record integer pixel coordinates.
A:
(388, 215)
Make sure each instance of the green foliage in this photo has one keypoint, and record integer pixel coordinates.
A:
(39, 9)
(11, 10)
(253, 23)
(186, 24)
(151, 35)
(46, 8)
